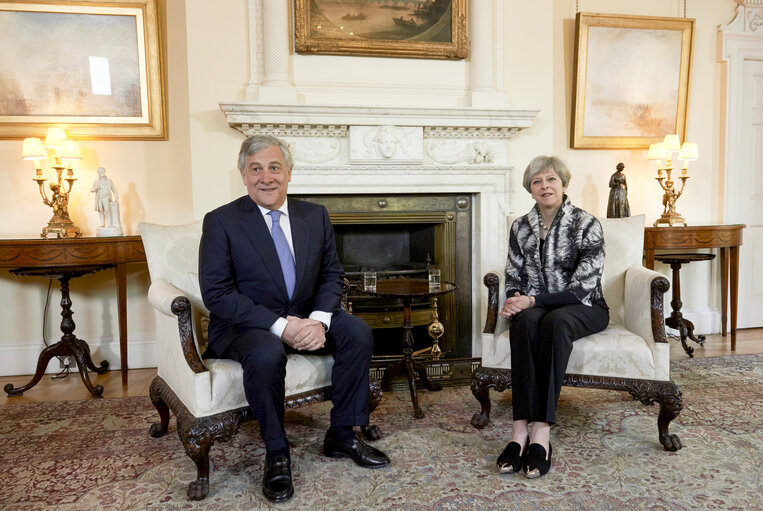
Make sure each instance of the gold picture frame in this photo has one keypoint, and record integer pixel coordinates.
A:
(631, 80)
(93, 68)
(434, 30)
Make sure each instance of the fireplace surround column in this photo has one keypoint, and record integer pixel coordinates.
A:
(276, 29)
(485, 66)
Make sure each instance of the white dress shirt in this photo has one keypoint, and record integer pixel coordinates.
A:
(278, 327)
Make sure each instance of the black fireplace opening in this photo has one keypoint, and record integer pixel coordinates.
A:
(401, 236)
(384, 248)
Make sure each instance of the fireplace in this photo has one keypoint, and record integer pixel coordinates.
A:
(401, 235)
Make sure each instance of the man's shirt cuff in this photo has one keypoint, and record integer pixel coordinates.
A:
(278, 327)
(322, 316)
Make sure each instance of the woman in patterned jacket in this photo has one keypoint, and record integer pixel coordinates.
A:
(554, 297)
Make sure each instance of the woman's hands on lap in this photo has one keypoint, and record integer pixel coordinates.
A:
(516, 304)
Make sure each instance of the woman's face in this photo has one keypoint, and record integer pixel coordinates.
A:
(547, 189)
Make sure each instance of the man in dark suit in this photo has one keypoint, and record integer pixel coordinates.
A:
(271, 279)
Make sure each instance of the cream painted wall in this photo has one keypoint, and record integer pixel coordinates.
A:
(218, 70)
(153, 179)
(194, 171)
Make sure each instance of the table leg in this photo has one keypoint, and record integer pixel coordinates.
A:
(724, 288)
(408, 357)
(734, 292)
(121, 278)
(58, 349)
(68, 345)
(649, 258)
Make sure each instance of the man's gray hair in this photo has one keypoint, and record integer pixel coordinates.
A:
(541, 163)
(257, 143)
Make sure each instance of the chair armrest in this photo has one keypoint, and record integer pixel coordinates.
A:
(161, 294)
(644, 313)
(170, 301)
(492, 281)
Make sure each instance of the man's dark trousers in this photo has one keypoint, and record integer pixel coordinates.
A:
(262, 356)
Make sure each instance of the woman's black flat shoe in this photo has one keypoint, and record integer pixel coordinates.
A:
(510, 460)
(536, 464)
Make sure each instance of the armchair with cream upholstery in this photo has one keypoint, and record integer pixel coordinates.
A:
(631, 354)
(207, 396)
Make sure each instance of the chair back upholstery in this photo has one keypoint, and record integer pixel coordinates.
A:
(624, 247)
(172, 253)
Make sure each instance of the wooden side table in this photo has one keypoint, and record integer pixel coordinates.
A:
(406, 290)
(727, 238)
(69, 344)
(116, 251)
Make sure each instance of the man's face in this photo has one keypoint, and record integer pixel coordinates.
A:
(267, 177)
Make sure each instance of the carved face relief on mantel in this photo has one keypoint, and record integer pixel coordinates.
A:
(386, 144)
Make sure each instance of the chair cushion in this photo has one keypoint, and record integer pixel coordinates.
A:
(614, 351)
(303, 373)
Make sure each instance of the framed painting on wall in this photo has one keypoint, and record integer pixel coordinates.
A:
(631, 80)
(432, 29)
(93, 68)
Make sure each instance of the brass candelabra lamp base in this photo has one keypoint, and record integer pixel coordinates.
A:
(670, 218)
(61, 223)
(669, 214)
(62, 228)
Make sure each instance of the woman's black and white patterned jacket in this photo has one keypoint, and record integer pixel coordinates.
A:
(572, 259)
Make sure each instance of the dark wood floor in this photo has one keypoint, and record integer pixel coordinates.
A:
(71, 387)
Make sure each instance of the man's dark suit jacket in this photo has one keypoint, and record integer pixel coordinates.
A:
(241, 280)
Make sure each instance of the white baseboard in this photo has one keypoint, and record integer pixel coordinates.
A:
(706, 321)
(20, 358)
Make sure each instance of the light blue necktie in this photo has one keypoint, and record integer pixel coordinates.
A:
(284, 254)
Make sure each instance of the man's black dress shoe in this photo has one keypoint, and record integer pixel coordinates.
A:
(360, 452)
(276, 479)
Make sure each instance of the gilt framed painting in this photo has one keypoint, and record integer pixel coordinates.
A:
(631, 80)
(431, 29)
(94, 68)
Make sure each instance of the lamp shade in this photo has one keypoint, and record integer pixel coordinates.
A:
(657, 151)
(68, 150)
(672, 143)
(689, 151)
(54, 137)
(33, 149)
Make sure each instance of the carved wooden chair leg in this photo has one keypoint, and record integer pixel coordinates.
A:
(671, 405)
(481, 390)
(484, 379)
(197, 441)
(668, 395)
(159, 429)
(372, 431)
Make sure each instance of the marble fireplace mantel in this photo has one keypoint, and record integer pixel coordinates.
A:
(246, 117)
(400, 150)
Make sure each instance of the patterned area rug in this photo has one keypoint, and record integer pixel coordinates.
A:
(96, 454)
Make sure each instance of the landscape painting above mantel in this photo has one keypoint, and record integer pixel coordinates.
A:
(433, 29)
